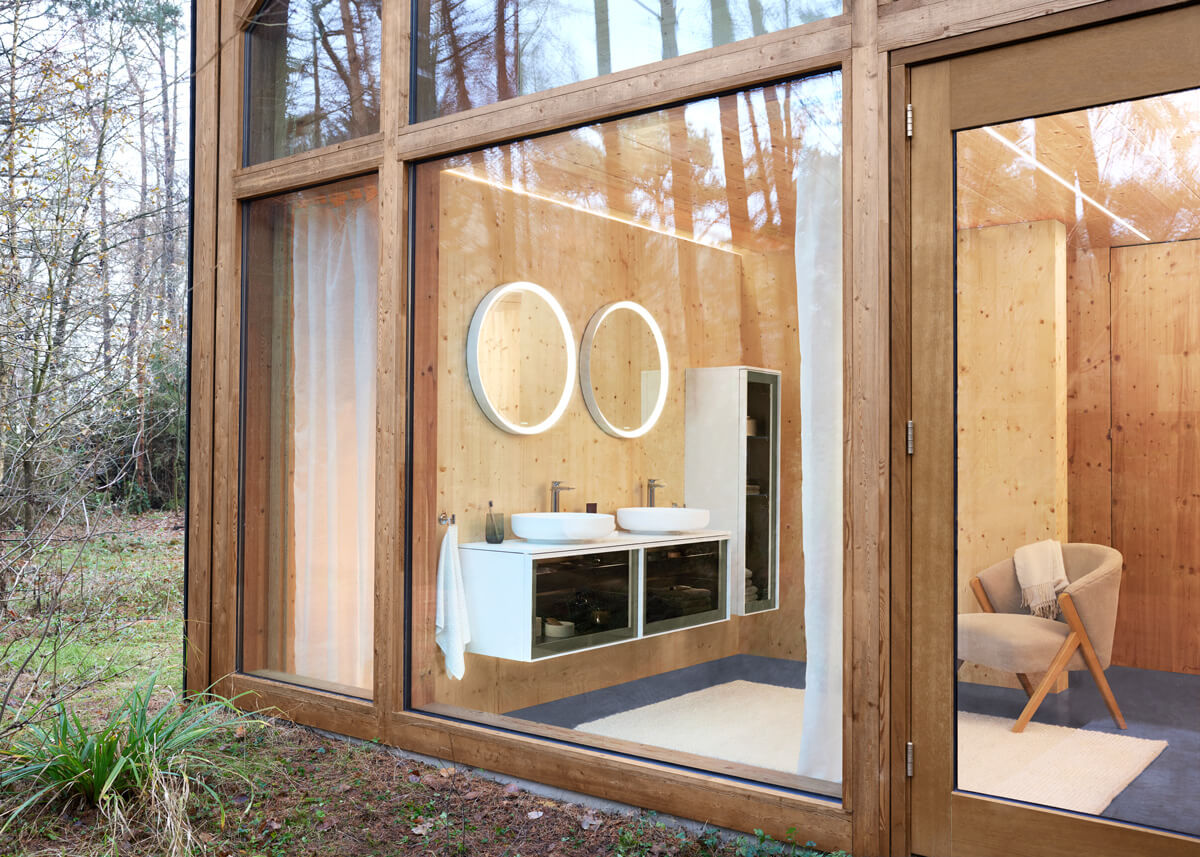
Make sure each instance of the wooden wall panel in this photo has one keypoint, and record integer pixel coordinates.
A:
(1156, 453)
(696, 293)
(1012, 397)
(1089, 412)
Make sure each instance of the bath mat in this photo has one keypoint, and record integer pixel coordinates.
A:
(739, 721)
(1075, 769)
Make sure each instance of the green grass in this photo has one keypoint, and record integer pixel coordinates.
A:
(119, 613)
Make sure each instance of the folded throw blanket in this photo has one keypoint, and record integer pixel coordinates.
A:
(1041, 574)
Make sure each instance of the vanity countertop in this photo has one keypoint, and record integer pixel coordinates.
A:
(618, 540)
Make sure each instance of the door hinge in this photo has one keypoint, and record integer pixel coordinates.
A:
(908, 759)
(908, 437)
(908, 120)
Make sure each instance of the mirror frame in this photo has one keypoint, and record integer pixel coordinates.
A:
(585, 369)
(481, 396)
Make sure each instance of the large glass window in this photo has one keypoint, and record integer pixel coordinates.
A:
(475, 52)
(694, 254)
(313, 76)
(1077, 436)
(308, 458)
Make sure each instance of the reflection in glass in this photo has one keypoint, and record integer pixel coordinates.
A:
(623, 369)
(1077, 394)
(313, 76)
(308, 461)
(521, 358)
(476, 52)
(722, 218)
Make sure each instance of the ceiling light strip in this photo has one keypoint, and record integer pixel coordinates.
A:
(1031, 159)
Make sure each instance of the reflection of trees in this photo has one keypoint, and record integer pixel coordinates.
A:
(722, 170)
(314, 74)
(475, 52)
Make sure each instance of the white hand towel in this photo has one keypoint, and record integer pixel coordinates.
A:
(1042, 576)
(452, 626)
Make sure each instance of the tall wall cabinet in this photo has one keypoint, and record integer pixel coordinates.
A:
(731, 467)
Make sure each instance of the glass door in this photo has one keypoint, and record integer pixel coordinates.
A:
(1055, 396)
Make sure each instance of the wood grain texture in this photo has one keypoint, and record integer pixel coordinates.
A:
(695, 292)
(1012, 399)
(718, 801)
(983, 827)
(933, 463)
(899, 677)
(226, 364)
(1094, 66)
(814, 47)
(866, 421)
(1089, 411)
(392, 388)
(197, 634)
(339, 161)
(1156, 454)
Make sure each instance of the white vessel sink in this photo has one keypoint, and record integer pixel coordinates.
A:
(661, 519)
(561, 527)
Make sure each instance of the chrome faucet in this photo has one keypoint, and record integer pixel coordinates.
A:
(651, 486)
(556, 488)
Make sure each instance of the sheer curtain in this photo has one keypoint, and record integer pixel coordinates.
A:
(335, 272)
(819, 305)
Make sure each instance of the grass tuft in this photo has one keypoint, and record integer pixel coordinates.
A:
(138, 762)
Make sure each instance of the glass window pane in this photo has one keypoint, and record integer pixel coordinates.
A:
(312, 76)
(1078, 255)
(308, 460)
(476, 52)
(716, 642)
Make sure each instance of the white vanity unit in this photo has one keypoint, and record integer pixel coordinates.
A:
(528, 601)
(731, 467)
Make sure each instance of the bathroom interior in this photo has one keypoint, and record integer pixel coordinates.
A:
(629, 315)
(1078, 392)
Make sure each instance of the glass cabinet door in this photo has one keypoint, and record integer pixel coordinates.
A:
(685, 585)
(582, 601)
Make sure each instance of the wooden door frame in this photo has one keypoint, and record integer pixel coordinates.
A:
(1065, 65)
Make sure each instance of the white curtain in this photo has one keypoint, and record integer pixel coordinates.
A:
(335, 272)
(819, 305)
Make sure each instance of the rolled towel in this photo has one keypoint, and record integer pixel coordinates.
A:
(1041, 574)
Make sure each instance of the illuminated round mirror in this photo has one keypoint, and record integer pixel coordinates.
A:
(623, 369)
(521, 358)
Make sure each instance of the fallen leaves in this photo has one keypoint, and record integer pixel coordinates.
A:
(534, 815)
(590, 821)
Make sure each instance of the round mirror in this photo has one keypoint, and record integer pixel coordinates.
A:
(623, 369)
(521, 358)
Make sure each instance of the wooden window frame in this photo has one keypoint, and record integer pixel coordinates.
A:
(981, 825)
(872, 43)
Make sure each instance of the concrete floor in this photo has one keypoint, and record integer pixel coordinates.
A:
(1159, 705)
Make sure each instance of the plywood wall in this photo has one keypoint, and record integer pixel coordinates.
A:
(1089, 414)
(708, 307)
(1012, 395)
(1156, 453)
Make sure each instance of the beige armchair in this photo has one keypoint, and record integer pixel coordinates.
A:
(1005, 636)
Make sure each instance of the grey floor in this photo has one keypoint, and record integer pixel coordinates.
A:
(570, 711)
(1159, 705)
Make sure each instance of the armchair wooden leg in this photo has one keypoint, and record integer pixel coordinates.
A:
(1025, 683)
(1056, 666)
(1090, 658)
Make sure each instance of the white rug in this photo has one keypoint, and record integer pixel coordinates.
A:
(740, 721)
(759, 724)
(1058, 766)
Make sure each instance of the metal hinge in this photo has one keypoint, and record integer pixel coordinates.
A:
(908, 759)
(908, 120)
(908, 437)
